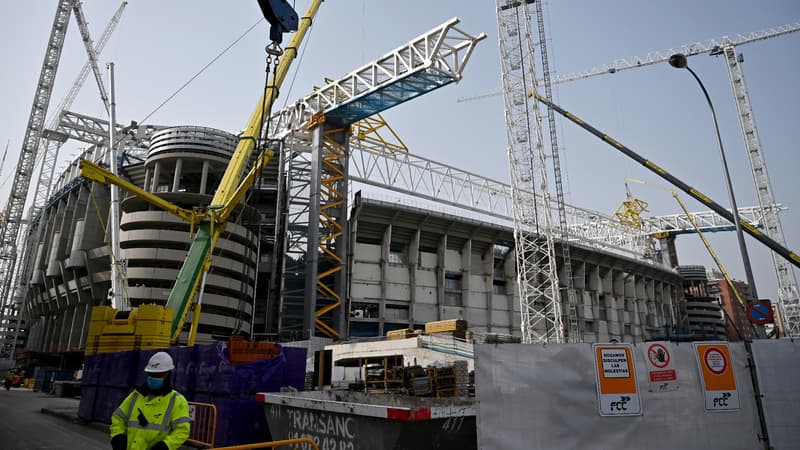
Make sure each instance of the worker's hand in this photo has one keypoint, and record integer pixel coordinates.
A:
(119, 442)
(160, 446)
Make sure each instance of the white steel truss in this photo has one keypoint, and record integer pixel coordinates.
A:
(537, 278)
(422, 177)
(713, 46)
(427, 62)
(707, 221)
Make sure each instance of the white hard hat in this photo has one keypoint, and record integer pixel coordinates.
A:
(160, 362)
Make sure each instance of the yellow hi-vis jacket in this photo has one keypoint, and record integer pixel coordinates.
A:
(167, 418)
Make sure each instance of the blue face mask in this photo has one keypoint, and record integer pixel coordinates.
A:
(154, 383)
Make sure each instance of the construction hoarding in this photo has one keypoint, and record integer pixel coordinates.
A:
(778, 369)
(546, 396)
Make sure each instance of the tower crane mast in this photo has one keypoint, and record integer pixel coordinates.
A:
(27, 157)
(47, 152)
(53, 141)
(537, 279)
(573, 329)
(788, 295)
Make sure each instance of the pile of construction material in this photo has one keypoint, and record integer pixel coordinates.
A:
(241, 350)
(404, 333)
(144, 328)
(456, 328)
(431, 381)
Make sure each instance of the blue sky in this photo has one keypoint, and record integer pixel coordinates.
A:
(657, 111)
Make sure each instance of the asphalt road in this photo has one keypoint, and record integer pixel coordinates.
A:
(24, 427)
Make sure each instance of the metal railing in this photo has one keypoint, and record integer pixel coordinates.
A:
(203, 430)
(295, 443)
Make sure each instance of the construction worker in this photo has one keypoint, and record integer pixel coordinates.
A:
(153, 416)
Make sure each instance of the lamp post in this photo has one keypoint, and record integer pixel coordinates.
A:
(679, 61)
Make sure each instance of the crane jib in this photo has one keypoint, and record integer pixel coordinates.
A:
(694, 193)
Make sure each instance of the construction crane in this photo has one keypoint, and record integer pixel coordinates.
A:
(537, 277)
(48, 150)
(788, 293)
(27, 157)
(711, 46)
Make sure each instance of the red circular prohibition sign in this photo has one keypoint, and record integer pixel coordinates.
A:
(658, 355)
(715, 361)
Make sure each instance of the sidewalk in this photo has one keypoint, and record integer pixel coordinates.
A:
(67, 408)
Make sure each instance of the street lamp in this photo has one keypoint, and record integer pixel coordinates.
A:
(679, 61)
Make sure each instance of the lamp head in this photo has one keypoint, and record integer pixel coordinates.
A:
(678, 61)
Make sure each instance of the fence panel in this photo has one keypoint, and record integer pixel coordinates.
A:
(544, 397)
(778, 367)
(203, 429)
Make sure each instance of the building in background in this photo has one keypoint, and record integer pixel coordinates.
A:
(739, 326)
(703, 318)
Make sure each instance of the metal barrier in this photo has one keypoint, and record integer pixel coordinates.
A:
(203, 429)
(295, 443)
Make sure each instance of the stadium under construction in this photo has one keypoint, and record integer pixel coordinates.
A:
(304, 253)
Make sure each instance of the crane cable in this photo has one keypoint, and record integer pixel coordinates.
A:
(225, 50)
(261, 145)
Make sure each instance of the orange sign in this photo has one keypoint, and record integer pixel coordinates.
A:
(715, 363)
(617, 389)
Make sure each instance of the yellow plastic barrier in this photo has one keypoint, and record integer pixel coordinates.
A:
(295, 443)
(203, 429)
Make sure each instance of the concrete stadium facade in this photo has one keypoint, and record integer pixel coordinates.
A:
(410, 266)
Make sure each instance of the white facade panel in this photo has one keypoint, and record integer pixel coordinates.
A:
(397, 292)
(366, 271)
(476, 318)
(501, 318)
(425, 295)
(362, 290)
(397, 274)
(425, 278)
(476, 300)
(452, 260)
(425, 313)
(477, 283)
(368, 252)
(427, 260)
(500, 302)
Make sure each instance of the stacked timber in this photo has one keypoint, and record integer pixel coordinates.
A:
(455, 327)
(402, 334)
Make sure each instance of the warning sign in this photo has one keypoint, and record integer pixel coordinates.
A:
(715, 362)
(661, 374)
(617, 389)
(658, 355)
(615, 363)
